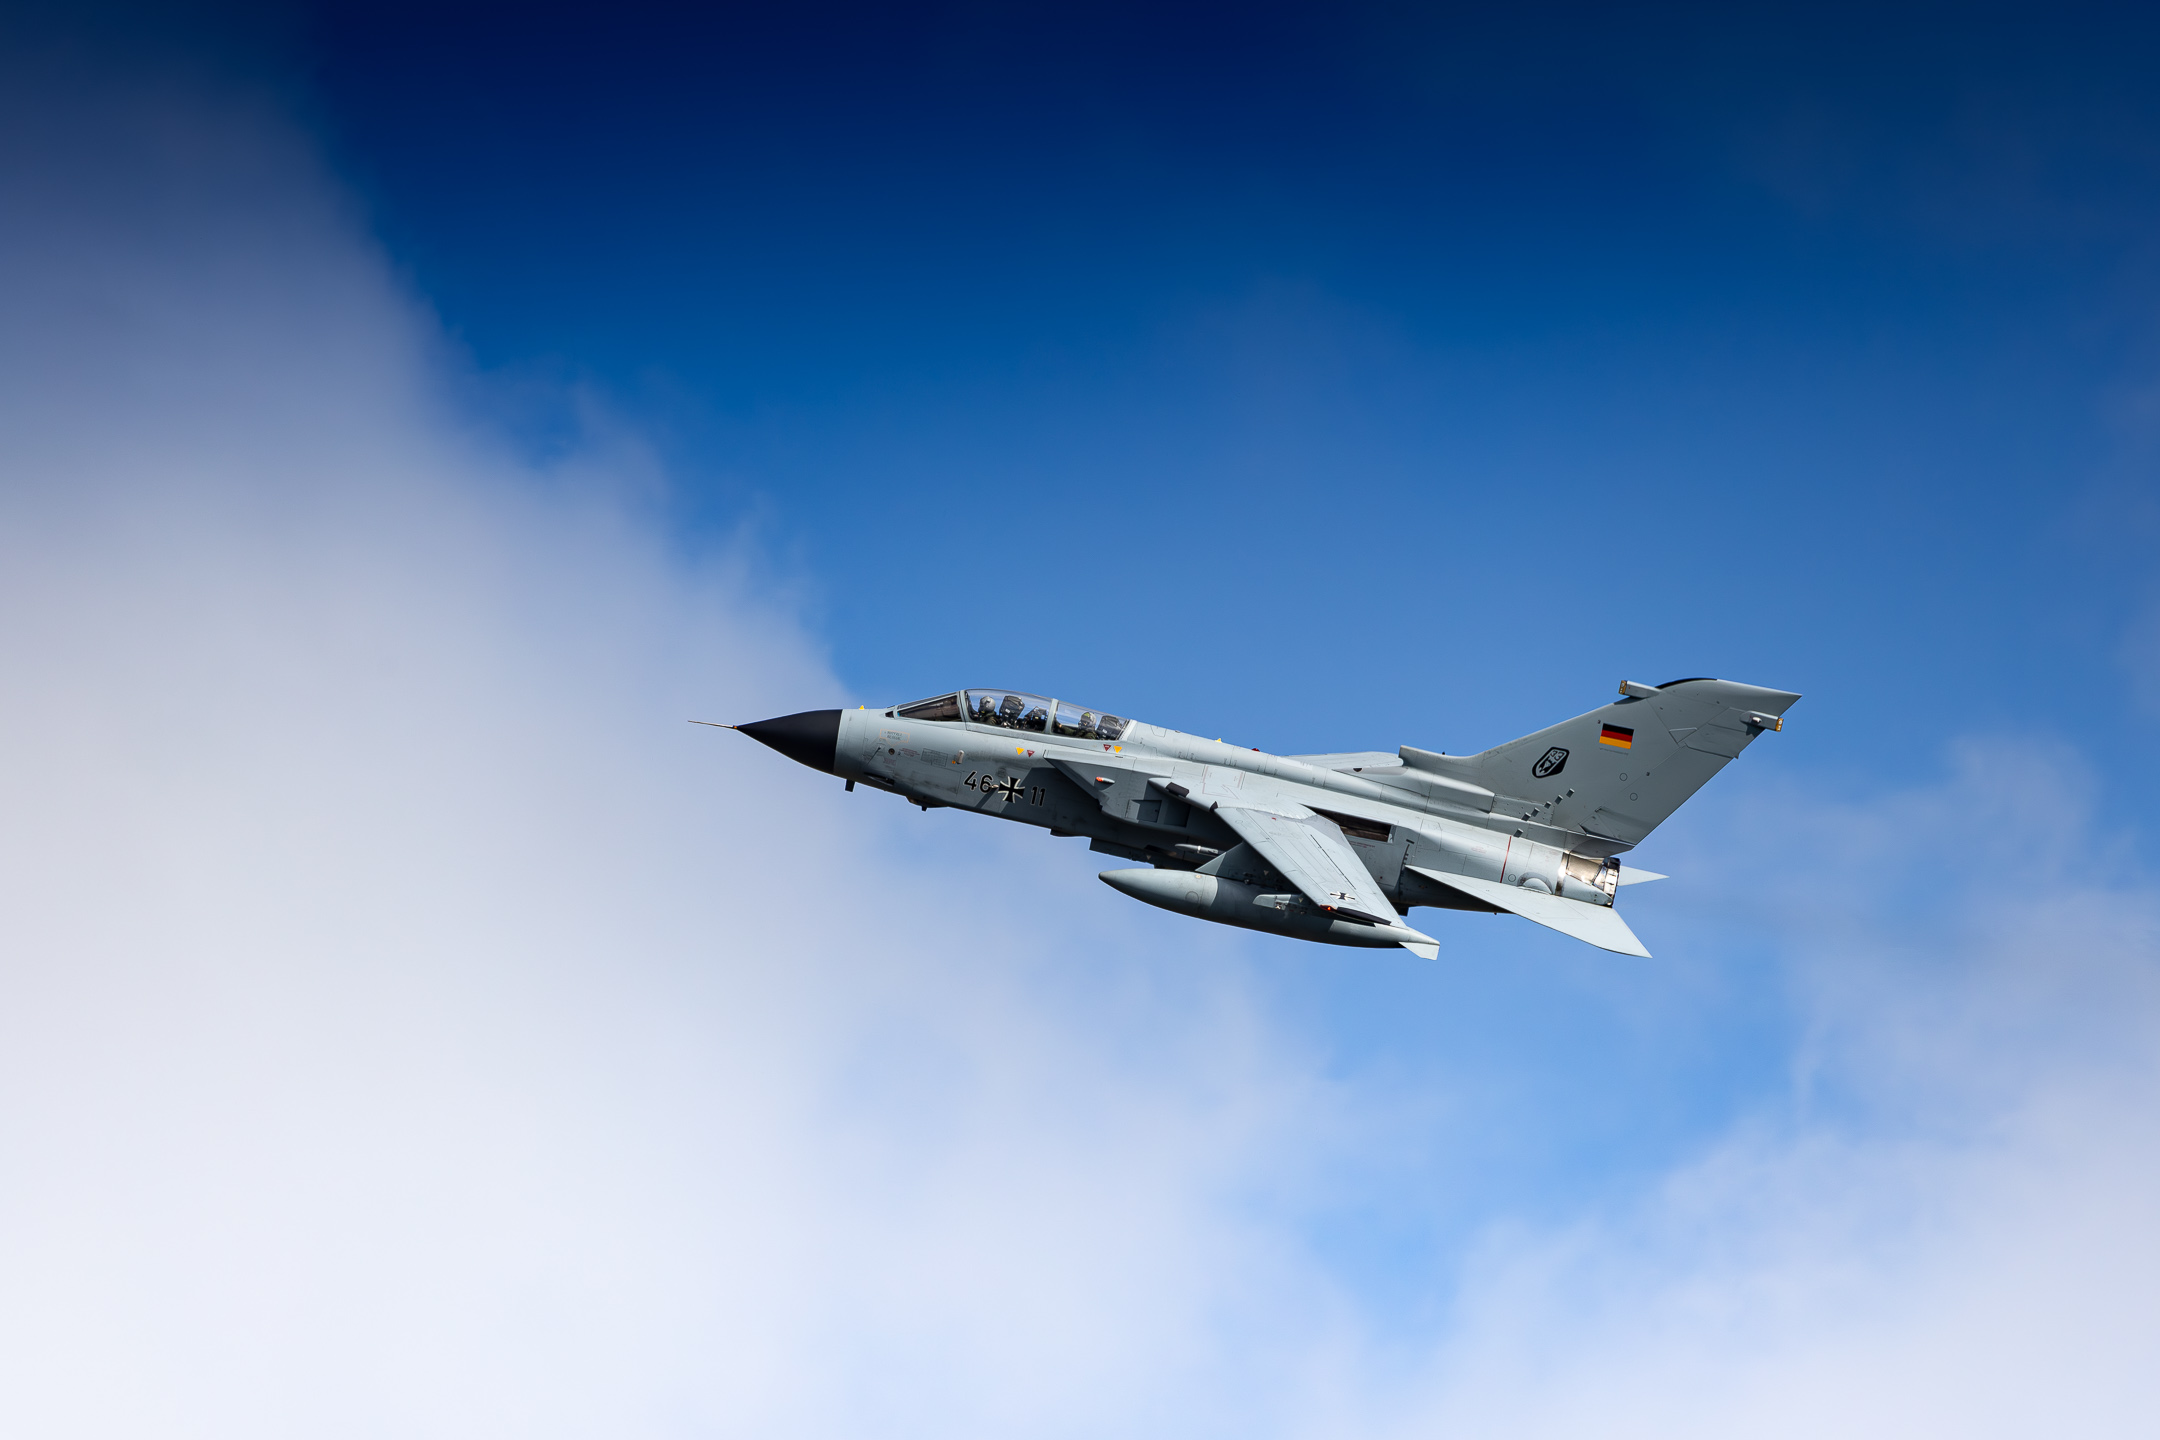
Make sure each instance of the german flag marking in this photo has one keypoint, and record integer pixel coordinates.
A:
(1618, 735)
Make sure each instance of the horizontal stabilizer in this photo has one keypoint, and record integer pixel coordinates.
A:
(1423, 949)
(1593, 924)
(1629, 875)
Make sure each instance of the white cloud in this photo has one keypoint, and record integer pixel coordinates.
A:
(409, 1025)
(1807, 1284)
(1948, 1233)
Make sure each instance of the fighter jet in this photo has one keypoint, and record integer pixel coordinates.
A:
(1332, 848)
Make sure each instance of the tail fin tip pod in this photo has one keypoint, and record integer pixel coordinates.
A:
(1616, 773)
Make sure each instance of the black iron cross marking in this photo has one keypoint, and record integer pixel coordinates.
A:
(1010, 789)
(1340, 894)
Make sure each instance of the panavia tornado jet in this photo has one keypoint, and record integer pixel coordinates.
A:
(1334, 848)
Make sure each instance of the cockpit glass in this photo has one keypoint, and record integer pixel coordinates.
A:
(1008, 710)
(1079, 723)
(945, 707)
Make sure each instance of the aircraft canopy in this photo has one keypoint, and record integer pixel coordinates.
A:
(1015, 710)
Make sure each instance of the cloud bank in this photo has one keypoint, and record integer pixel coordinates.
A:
(1945, 1234)
(412, 1025)
(408, 1025)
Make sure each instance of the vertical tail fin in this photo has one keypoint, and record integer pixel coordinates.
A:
(1617, 772)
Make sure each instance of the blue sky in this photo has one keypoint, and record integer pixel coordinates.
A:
(494, 387)
(1795, 347)
(1343, 381)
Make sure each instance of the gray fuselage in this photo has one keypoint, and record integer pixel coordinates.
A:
(1150, 794)
(1321, 847)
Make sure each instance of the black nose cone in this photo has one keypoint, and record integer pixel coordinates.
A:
(811, 738)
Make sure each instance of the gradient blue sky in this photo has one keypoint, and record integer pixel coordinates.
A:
(1343, 377)
(1806, 346)
(1332, 378)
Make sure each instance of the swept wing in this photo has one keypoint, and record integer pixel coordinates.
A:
(1312, 854)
